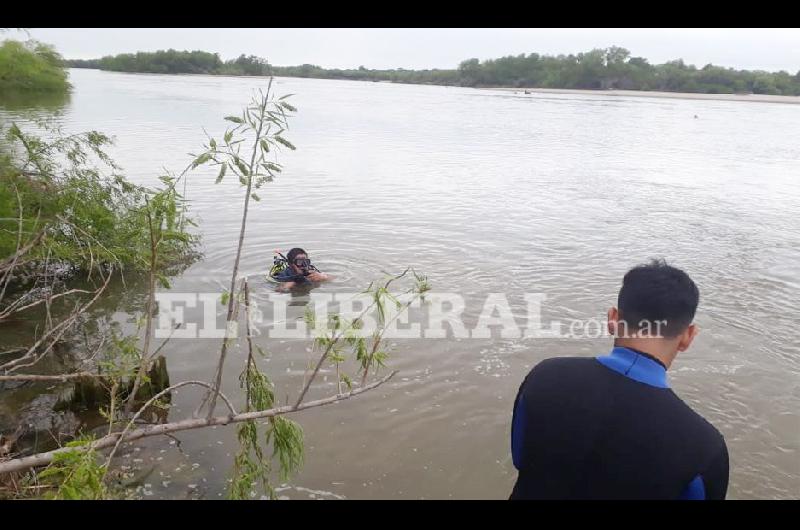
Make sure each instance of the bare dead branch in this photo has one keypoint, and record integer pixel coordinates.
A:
(58, 331)
(36, 377)
(41, 459)
(153, 400)
(11, 309)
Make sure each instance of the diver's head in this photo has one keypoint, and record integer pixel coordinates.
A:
(298, 261)
(655, 310)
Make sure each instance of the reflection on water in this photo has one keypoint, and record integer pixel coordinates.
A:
(483, 192)
(31, 101)
(299, 295)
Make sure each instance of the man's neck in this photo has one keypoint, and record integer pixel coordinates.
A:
(649, 348)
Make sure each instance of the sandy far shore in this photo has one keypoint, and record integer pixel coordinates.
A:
(758, 98)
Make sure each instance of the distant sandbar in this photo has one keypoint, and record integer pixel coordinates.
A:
(759, 98)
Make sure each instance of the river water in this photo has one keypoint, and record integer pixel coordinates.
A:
(485, 192)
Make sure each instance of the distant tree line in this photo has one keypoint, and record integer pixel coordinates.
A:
(608, 68)
(177, 62)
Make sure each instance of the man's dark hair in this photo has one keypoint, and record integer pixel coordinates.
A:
(657, 292)
(293, 254)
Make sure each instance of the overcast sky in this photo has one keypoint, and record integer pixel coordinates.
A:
(766, 49)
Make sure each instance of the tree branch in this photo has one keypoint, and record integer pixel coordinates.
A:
(224, 349)
(153, 400)
(36, 377)
(60, 329)
(41, 459)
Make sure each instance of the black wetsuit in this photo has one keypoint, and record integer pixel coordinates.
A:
(288, 275)
(611, 428)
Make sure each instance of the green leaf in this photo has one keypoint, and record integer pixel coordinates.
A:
(234, 119)
(380, 357)
(265, 178)
(284, 97)
(221, 172)
(172, 235)
(212, 143)
(265, 146)
(200, 160)
(255, 197)
(228, 137)
(284, 141)
(309, 316)
(287, 106)
(224, 298)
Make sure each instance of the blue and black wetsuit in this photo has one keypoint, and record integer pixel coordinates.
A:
(288, 275)
(611, 428)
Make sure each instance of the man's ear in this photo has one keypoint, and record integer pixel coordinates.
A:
(687, 337)
(613, 319)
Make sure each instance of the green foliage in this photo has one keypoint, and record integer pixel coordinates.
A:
(159, 62)
(368, 352)
(178, 62)
(166, 236)
(60, 213)
(31, 66)
(251, 465)
(261, 125)
(287, 441)
(600, 68)
(86, 213)
(246, 65)
(614, 68)
(78, 475)
(122, 358)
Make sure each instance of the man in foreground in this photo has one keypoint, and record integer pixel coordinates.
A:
(610, 427)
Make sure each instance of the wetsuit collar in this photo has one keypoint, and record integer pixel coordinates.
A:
(636, 365)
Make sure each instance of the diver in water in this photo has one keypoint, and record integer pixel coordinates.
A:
(298, 270)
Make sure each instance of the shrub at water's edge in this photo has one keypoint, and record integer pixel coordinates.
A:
(31, 65)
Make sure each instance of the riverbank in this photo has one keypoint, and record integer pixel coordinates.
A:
(754, 98)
